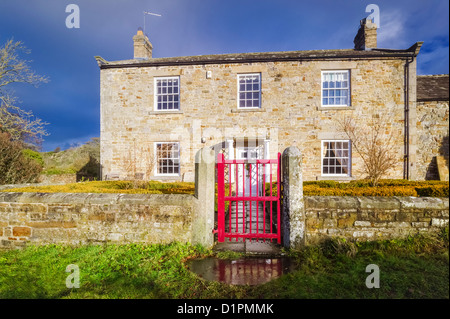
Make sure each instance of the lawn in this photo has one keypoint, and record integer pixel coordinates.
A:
(417, 267)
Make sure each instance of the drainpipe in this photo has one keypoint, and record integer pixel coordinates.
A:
(406, 116)
(406, 158)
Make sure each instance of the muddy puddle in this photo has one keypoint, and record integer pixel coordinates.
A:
(243, 271)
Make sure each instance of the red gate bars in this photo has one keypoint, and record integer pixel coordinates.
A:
(264, 203)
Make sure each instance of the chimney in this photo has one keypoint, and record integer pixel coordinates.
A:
(366, 38)
(142, 46)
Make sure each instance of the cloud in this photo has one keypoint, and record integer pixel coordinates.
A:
(426, 61)
(391, 33)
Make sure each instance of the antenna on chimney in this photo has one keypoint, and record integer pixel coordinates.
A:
(149, 13)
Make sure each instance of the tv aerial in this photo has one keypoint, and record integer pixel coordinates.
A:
(149, 13)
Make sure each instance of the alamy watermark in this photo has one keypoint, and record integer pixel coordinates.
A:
(373, 280)
(73, 19)
(374, 14)
(73, 280)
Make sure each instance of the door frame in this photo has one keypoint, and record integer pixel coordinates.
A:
(250, 177)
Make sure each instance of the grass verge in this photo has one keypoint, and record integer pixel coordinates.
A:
(416, 267)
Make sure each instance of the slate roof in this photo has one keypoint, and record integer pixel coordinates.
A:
(263, 57)
(432, 87)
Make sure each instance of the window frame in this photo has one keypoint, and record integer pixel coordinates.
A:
(155, 95)
(156, 169)
(239, 91)
(349, 158)
(349, 102)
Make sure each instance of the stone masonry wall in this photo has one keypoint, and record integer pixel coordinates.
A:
(432, 134)
(372, 218)
(290, 113)
(94, 218)
(62, 218)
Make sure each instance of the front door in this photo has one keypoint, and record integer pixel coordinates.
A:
(249, 177)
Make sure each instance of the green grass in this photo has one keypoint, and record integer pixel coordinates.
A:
(413, 268)
(57, 171)
(417, 267)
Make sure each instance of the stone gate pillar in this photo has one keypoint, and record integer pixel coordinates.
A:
(203, 217)
(293, 212)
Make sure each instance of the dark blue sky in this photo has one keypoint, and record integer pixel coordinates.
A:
(70, 101)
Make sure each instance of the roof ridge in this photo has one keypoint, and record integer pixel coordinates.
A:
(256, 57)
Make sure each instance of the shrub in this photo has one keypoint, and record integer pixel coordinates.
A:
(15, 166)
(34, 156)
(268, 190)
(320, 188)
(384, 188)
(433, 191)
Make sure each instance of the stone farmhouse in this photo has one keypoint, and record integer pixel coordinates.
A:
(156, 113)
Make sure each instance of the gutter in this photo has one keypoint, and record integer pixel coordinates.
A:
(105, 65)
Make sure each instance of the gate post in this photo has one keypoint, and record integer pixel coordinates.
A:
(293, 213)
(203, 217)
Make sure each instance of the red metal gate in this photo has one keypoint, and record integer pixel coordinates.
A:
(252, 213)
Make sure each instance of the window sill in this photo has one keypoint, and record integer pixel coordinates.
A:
(166, 178)
(165, 112)
(335, 178)
(247, 110)
(326, 108)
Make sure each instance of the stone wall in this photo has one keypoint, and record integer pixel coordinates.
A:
(290, 113)
(94, 218)
(372, 218)
(57, 179)
(124, 218)
(432, 135)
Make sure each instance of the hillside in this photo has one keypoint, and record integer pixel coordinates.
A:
(84, 161)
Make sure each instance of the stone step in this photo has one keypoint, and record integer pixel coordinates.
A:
(247, 224)
(260, 225)
(248, 217)
(260, 222)
(248, 214)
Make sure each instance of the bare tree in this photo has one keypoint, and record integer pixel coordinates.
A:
(374, 141)
(20, 124)
(139, 163)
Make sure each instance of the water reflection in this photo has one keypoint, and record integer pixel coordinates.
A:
(245, 271)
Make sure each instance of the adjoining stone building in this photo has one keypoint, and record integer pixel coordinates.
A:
(156, 113)
(433, 126)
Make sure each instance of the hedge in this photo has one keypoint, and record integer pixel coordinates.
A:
(312, 188)
(363, 188)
